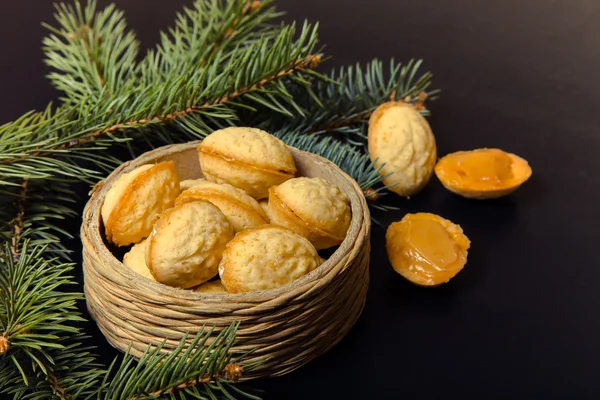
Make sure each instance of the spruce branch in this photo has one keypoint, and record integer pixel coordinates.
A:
(311, 61)
(18, 224)
(32, 306)
(205, 29)
(43, 350)
(39, 212)
(73, 373)
(91, 50)
(200, 368)
(365, 88)
(245, 75)
(228, 30)
(80, 139)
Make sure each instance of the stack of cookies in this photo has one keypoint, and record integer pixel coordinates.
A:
(250, 224)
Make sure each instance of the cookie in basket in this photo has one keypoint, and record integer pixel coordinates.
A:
(189, 183)
(135, 260)
(265, 258)
(135, 201)
(186, 244)
(211, 287)
(313, 208)
(247, 158)
(241, 210)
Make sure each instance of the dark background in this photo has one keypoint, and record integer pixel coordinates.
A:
(521, 320)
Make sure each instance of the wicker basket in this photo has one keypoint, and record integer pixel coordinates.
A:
(287, 326)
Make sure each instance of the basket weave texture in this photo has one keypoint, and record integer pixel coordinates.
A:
(287, 326)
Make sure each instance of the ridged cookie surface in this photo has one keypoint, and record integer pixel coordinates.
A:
(401, 139)
(265, 258)
(186, 244)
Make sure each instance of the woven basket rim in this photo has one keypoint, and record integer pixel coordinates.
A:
(91, 234)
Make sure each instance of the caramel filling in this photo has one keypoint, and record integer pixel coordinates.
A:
(433, 243)
(426, 249)
(431, 253)
(484, 168)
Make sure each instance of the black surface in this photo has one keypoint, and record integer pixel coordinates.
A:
(521, 320)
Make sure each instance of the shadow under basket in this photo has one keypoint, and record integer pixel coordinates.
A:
(286, 327)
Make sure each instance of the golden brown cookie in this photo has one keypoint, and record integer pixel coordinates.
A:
(211, 287)
(241, 210)
(135, 259)
(135, 201)
(400, 138)
(186, 244)
(189, 183)
(247, 158)
(313, 208)
(265, 258)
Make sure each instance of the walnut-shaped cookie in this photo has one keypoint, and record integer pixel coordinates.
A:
(313, 208)
(265, 258)
(134, 202)
(135, 259)
(186, 244)
(247, 158)
(241, 210)
(400, 140)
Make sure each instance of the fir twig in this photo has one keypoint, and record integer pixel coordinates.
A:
(18, 225)
(241, 76)
(85, 139)
(298, 66)
(39, 213)
(91, 51)
(194, 367)
(37, 323)
(228, 30)
(58, 390)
